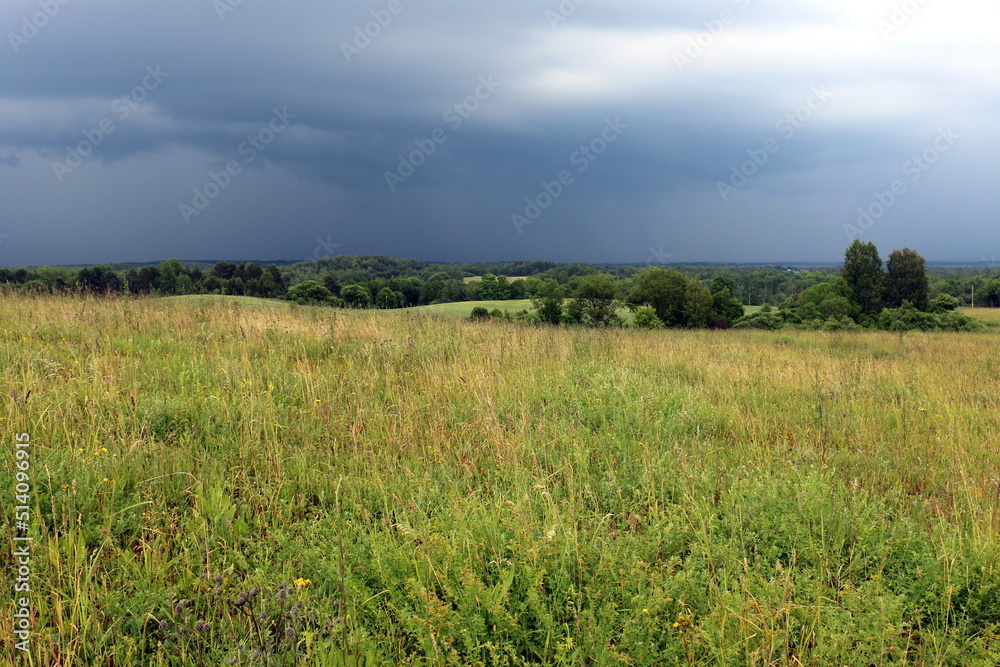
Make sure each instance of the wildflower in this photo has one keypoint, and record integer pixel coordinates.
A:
(302, 583)
(923, 409)
(645, 611)
(105, 480)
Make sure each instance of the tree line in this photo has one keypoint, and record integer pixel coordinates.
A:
(865, 294)
(676, 296)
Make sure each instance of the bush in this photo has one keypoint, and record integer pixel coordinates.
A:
(768, 321)
(645, 318)
(527, 316)
(944, 302)
(309, 292)
(479, 313)
(907, 318)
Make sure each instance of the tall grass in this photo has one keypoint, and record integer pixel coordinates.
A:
(345, 488)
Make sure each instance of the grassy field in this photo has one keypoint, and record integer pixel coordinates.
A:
(464, 308)
(216, 482)
(198, 300)
(990, 315)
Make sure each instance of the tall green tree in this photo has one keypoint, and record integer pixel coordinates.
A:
(386, 299)
(356, 296)
(863, 274)
(725, 307)
(548, 301)
(906, 280)
(663, 290)
(99, 279)
(720, 283)
(595, 298)
(494, 288)
(699, 304)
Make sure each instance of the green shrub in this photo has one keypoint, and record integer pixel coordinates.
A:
(760, 320)
(645, 318)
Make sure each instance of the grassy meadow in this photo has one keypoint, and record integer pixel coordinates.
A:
(218, 482)
(464, 308)
(989, 315)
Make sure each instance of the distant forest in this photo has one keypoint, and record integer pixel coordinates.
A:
(374, 281)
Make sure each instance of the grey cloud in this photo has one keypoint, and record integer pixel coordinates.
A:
(326, 174)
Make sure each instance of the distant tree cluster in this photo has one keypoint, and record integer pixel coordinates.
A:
(167, 278)
(895, 296)
(658, 297)
(867, 293)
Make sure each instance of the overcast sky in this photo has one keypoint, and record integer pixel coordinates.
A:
(594, 130)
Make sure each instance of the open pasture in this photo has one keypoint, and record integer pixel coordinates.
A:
(219, 483)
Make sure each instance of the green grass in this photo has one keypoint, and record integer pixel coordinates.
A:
(464, 308)
(989, 315)
(462, 493)
(211, 299)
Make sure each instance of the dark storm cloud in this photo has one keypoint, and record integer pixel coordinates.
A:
(493, 102)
